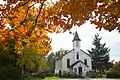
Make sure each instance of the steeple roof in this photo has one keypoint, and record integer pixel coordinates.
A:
(76, 37)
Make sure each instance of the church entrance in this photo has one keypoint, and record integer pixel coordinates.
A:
(79, 70)
(59, 72)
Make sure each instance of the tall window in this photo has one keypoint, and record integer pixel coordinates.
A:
(75, 69)
(77, 44)
(85, 61)
(77, 55)
(68, 63)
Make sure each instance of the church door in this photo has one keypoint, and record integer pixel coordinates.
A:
(59, 72)
(80, 70)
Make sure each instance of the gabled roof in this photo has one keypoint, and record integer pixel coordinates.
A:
(85, 52)
(78, 62)
(76, 37)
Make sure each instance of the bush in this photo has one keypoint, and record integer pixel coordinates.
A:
(3, 72)
(57, 75)
(9, 73)
(39, 75)
(114, 72)
(70, 75)
(13, 73)
(43, 74)
(112, 75)
(91, 74)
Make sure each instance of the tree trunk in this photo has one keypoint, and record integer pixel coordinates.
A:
(100, 72)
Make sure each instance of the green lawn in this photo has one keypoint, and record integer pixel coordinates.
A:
(47, 78)
(51, 78)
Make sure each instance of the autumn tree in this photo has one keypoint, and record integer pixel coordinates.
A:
(107, 15)
(22, 20)
(100, 55)
(31, 20)
(32, 61)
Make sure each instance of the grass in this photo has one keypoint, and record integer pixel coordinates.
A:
(51, 78)
(47, 78)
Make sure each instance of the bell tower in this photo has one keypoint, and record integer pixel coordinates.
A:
(76, 41)
(76, 46)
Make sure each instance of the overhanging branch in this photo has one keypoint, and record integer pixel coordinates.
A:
(42, 3)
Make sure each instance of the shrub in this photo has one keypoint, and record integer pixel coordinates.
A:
(70, 75)
(114, 72)
(112, 75)
(91, 74)
(39, 75)
(13, 73)
(57, 75)
(9, 73)
(43, 74)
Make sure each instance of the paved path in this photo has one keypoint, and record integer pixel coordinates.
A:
(90, 79)
(74, 79)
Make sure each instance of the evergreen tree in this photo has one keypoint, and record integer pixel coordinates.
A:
(100, 55)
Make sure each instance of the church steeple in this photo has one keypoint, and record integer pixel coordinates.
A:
(76, 37)
(76, 46)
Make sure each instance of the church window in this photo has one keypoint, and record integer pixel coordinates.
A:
(84, 69)
(77, 55)
(68, 63)
(75, 69)
(85, 61)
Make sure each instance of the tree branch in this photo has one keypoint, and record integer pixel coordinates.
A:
(42, 3)
(40, 9)
(28, 10)
(22, 4)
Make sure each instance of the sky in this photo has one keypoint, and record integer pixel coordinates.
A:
(86, 33)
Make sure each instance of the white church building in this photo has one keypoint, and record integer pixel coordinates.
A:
(76, 60)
